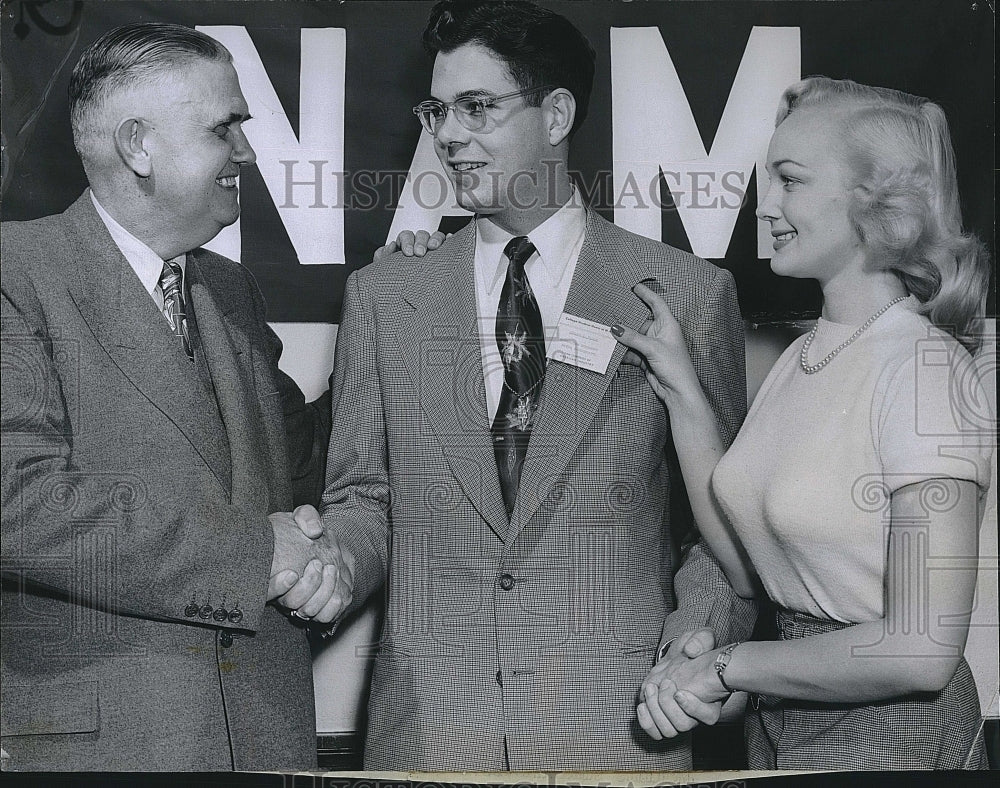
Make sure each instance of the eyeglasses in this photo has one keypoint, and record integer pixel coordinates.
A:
(471, 111)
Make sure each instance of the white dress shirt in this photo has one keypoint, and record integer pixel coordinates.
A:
(144, 261)
(557, 241)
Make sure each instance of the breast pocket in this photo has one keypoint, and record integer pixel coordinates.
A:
(631, 404)
(631, 379)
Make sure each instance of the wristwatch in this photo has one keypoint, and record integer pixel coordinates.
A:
(721, 662)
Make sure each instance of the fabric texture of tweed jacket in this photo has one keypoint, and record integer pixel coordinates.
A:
(131, 496)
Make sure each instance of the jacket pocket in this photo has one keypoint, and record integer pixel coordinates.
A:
(29, 710)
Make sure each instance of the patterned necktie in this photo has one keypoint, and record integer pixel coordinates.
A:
(173, 304)
(522, 348)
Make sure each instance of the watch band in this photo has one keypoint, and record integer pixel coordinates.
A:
(721, 662)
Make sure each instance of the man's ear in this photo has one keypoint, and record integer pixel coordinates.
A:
(130, 138)
(561, 113)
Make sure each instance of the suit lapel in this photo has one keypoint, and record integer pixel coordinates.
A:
(230, 363)
(439, 341)
(128, 325)
(601, 291)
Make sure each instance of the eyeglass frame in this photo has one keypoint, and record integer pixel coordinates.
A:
(452, 107)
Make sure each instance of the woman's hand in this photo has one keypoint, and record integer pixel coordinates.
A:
(679, 693)
(696, 677)
(692, 685)
(661, 344)
(659, 712)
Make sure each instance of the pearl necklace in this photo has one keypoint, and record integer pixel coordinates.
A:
(809, 369)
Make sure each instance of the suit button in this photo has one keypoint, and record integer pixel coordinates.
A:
(225, 639)
(506, 582)
(191, 610)
(500, 678)
(235, 615)
(220, 614)
(205, 611)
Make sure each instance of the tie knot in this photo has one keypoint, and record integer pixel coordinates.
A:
(170, 276)
(518, 250)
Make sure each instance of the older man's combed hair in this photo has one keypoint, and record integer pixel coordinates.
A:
(124, 57)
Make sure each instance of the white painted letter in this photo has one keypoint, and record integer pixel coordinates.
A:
(315, 225)
(427, 193)
(654, 130)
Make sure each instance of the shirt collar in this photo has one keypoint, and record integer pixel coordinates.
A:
(144, 261)
(555, 240)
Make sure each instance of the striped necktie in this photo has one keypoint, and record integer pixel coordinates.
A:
(173, 304)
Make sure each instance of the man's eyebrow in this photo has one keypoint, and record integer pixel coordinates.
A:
(474, 93)
(234, 117)
(477, 93)
(788, 161)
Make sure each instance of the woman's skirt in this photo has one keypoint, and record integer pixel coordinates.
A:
(932, 730)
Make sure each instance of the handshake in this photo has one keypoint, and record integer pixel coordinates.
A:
(683, 689)
(312, 574)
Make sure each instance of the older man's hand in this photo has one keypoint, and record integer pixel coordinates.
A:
(312, 573)
(412, 244)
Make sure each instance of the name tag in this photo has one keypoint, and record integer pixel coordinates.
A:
(582, 343)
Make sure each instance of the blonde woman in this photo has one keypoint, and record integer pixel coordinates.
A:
(851, 496)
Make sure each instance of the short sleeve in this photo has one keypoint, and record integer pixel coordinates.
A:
(935, 420)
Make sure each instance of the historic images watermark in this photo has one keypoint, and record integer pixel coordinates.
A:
(315, 184)
(962, 427)
(63, 527)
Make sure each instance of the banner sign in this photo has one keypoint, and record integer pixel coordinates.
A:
(673, 147)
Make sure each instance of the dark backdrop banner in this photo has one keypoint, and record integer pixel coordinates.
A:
(682, 109)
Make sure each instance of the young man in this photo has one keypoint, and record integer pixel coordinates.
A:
(519, 509)
(152, 448)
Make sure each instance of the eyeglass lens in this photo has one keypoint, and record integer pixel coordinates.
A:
(470, 112)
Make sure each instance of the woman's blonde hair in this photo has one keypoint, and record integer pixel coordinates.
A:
(906, 207)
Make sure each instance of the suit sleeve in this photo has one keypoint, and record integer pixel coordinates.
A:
(704, 596)
(307, 424)
(100, 534)
(356, 499)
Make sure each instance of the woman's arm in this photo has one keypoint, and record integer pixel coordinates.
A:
(930, 581)
(695, 432)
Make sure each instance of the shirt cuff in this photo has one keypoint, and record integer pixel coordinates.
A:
(664, 648)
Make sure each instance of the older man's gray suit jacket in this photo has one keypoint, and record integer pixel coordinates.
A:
(136, 545)
(533, 634)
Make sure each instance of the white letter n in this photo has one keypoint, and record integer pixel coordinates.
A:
(313, 164)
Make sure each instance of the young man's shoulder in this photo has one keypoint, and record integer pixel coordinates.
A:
(398, 270)
(659, 258)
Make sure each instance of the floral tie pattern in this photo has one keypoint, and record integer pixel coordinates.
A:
(520, 339)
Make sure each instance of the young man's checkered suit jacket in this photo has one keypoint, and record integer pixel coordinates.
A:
(522, 643)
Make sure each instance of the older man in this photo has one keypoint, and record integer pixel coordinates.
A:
(152, 448)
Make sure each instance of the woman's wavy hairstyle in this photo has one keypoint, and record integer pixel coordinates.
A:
(906, 206)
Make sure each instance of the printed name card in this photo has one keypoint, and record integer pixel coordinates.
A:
(583, 343)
